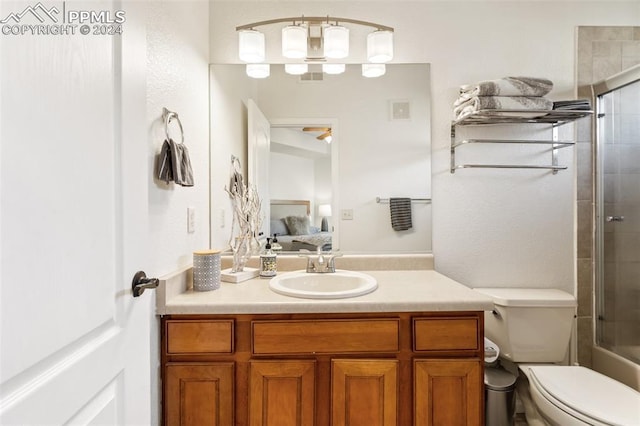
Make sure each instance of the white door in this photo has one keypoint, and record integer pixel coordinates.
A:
(73, 178)
(259, 134)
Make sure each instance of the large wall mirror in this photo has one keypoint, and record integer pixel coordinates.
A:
(333, 149)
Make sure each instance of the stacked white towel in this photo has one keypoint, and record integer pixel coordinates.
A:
(508, 93)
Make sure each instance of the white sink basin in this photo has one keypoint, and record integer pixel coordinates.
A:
(333, 285)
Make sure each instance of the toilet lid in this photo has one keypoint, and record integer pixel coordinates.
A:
(589, 393)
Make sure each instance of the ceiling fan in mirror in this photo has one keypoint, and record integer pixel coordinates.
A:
(325, 134)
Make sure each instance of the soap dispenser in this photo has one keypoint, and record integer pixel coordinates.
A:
(268, 261)
(275, 245)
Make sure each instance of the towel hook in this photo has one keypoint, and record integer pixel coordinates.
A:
(168, 116)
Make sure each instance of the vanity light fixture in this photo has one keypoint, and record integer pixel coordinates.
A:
(336, 41)
(373, 70)
(251, 46)
(333, 68)
(315, 40)
(296, 69)
(258, 70)
(380, 46)
(294, 41)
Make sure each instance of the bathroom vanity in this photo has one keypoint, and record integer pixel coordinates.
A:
(410, 353)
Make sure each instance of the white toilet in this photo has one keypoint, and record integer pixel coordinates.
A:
(532, 328)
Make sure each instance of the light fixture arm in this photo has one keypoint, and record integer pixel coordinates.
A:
(314, 20)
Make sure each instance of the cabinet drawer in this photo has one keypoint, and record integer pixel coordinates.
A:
(199, 336)
(325, 336)
(442, 334)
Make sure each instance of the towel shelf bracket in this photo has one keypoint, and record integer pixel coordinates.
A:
(487, 117)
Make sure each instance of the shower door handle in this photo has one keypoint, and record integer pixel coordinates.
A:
(615, 219)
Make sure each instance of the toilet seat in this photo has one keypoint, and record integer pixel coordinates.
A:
(571, 390)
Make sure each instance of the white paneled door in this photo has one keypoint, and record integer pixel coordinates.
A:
(73, 189)
(259, 146)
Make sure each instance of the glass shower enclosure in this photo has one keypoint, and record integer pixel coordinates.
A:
(617, 293)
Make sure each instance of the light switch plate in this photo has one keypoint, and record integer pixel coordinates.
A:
(191, 220)
(346, 214)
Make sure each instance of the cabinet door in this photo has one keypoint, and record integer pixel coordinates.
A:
(199, 394)
(448, 392)
(282, 393)
(364, 392)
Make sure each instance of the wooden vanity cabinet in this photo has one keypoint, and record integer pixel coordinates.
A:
(409, 368)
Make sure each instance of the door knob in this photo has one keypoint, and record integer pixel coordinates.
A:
(140, 283)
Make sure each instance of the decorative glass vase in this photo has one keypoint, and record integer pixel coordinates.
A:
(242, 251)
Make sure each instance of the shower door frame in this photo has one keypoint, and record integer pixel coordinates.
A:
(604, 87)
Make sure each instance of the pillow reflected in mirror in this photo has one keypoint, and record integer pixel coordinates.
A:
(298, 225)
(278, 227)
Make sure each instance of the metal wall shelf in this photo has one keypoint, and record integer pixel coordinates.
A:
(502, 116)
(488, 117)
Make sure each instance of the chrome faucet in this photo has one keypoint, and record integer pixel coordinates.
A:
(322, 263)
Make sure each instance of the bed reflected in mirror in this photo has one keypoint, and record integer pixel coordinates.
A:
(292, 229)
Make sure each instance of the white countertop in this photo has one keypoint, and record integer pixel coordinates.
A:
(398, 291)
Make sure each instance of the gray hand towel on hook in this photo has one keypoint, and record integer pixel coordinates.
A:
(165, 168)
(182, 172)
(400, 209)
(175, 164)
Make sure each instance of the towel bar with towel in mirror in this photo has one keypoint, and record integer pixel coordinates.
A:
(400, 210)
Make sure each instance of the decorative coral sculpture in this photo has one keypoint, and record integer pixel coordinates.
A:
(247, 217)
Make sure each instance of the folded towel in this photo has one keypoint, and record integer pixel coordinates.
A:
(175, 164)
(400, 209)
(165, 169)
(578, 104)
(477, 103)
(508, 86)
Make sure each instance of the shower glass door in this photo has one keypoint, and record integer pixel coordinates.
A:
(618, 220)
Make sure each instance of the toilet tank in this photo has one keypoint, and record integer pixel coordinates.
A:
(530, 325)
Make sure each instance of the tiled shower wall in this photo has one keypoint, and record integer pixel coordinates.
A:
(602, 52)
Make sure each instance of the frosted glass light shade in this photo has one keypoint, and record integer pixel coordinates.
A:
(296, 69)
(333, 68)
(258, 70)
(336, 41)
(324, 210)
(251, 46)
(294, 41)
(380, 46)
(373, 70)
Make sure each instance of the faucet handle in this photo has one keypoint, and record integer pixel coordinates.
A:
(311, 266)
(331, 264)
